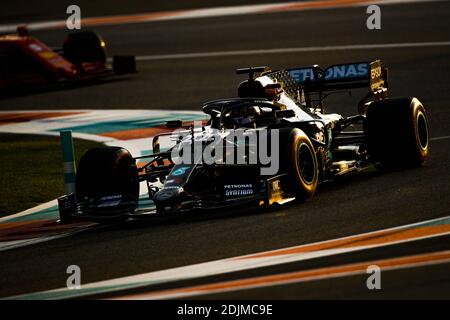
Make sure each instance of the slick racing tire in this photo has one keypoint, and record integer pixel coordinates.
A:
(84, 46)
(107, 172)
(398, 132)
(299, 159)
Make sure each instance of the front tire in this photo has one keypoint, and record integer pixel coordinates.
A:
(299, 159)
(107, 174)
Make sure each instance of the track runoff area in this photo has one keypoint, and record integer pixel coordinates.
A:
(416, 248)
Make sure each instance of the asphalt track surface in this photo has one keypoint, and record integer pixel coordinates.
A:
(353, 205)
(25, 11)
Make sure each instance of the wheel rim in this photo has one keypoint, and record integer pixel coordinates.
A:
(422, 131)
(306, 163)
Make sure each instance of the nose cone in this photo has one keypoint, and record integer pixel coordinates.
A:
(168, 196)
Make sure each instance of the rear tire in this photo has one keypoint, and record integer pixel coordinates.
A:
(298, 158)
(398, 132)
(84, 46)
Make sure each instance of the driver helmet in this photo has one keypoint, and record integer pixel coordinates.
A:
(245, 116)
(273, 91)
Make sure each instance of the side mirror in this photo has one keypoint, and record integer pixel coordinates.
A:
(174, 124)
(285, 113)
(155, 145)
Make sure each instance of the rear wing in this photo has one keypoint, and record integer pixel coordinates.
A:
(302, 83)
(339, 76)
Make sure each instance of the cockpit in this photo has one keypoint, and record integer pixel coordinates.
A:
(242, 113)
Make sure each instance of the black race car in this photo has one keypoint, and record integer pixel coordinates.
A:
(273, 144)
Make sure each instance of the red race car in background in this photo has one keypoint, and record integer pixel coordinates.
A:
(26, 62)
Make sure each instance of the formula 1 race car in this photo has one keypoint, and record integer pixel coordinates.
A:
(27, 63)
(310, 146)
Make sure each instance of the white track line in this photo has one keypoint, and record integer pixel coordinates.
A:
(293, 50)
(223, 266)
(440, 138)
(8, 245)
(181, 294)
(30, 211)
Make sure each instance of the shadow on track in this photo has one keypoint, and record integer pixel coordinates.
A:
(234, 213)
(57, 87)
